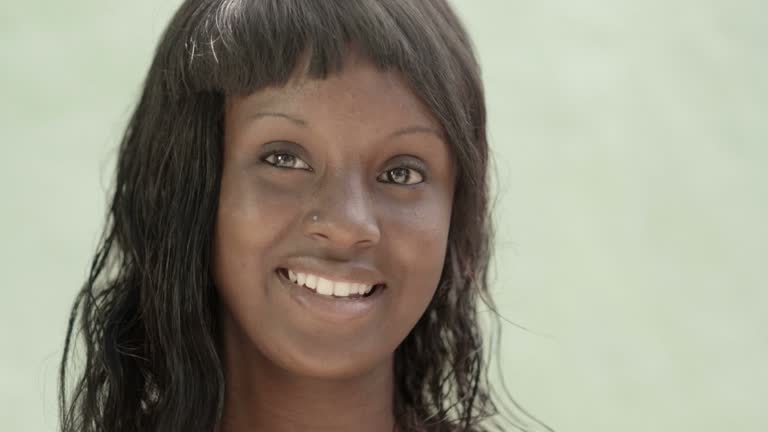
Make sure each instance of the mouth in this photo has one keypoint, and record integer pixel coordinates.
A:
(343, 291)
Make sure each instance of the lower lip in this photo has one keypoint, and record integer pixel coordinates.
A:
(332, 309)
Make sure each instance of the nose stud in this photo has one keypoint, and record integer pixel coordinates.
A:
(314, 218)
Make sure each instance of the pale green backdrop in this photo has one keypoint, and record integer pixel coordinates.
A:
(631, 140)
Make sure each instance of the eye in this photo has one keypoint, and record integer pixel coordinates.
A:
(286, 160)
(403, 176)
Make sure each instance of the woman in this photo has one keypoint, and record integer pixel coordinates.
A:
(299, 232)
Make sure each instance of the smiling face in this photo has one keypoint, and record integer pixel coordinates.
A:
(348, 178)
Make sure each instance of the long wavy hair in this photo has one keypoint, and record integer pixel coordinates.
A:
(146, 314)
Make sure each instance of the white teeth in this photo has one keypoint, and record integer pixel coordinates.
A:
(341, 289)
(311, 281)
(327, 287)
(324, 286)
(357, 288)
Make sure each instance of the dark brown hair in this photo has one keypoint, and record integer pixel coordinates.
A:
(146, 314)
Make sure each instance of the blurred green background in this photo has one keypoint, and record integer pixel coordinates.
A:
(631, 147)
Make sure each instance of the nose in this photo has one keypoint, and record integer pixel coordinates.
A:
(344, 213)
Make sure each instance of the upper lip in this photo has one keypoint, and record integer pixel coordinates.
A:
(337, 272)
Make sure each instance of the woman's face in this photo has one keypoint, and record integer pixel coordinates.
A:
(348, 179)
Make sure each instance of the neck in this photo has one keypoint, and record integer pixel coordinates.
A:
(261, 396)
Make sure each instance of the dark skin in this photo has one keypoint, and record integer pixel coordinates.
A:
(362, 153)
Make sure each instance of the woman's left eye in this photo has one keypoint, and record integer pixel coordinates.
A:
(402, 176)
(286, 160)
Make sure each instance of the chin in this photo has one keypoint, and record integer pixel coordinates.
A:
(325, 362)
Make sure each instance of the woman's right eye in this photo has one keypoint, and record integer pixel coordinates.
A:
(286, 160)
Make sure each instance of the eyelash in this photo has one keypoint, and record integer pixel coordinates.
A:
(407, 165)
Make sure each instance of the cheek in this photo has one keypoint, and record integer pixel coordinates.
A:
(418, 243)
(423, 245)
(250, 220)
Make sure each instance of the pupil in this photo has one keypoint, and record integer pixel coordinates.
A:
(400, 173)
(283, 159)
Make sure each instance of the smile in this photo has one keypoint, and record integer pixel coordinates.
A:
(329, 288)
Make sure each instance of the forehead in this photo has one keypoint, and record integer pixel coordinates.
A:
(360, 94)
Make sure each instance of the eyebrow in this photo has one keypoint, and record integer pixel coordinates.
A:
(299, 122)
(399, 132)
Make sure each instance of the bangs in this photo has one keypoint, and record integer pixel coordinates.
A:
(235, 47)
(238, 46)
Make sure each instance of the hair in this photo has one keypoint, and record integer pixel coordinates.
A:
(146, 315)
